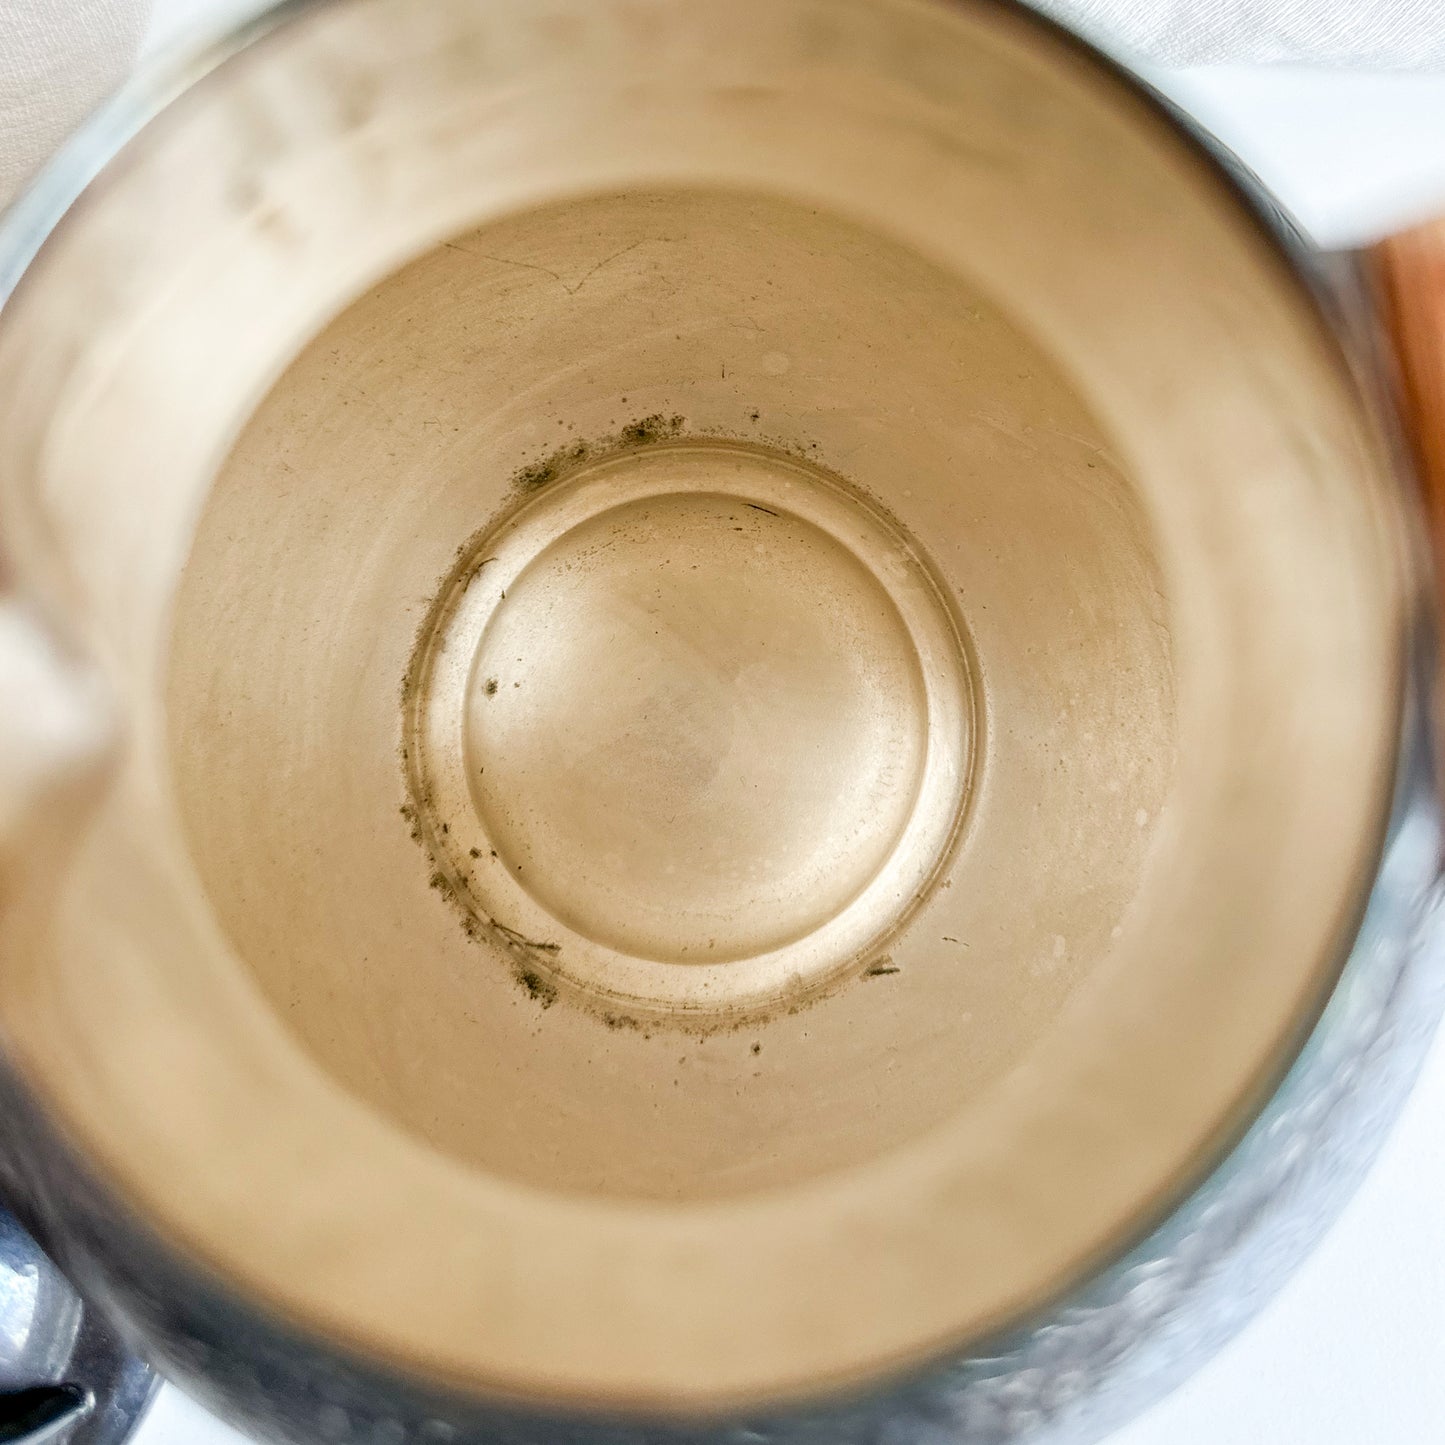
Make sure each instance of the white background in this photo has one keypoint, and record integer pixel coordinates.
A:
(1353, 1351)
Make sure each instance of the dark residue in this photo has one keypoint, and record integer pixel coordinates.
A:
(516, 940)
(476, 571)
(651, 429)
(559, 463)
(540, 988)
(535, 476)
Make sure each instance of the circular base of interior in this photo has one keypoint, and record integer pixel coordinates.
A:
(692, 730)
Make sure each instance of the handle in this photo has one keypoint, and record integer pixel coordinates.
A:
(40, 1413)
(1410, 268)
(66, 1377)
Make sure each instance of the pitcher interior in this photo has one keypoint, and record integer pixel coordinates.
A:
(758, 650)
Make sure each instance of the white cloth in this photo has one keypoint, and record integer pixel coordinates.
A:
(58, 60)
(1358, 34)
